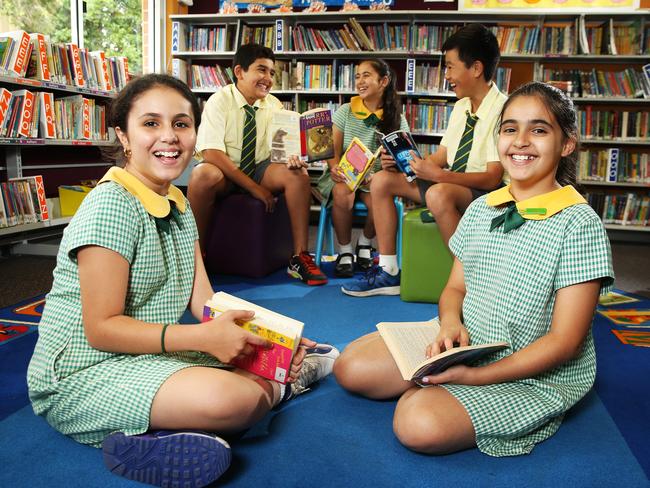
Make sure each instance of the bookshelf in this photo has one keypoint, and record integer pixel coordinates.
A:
(62, 145)
(557, 46)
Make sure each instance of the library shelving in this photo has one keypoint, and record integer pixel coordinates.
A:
(59, 160)
(597, 57)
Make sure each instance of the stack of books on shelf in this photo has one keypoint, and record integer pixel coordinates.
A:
(34, 56)
(38, 114)
(22, 201)
(614, 166)
(596, 83)
(621, 209)
(613, 124)
(427, 115)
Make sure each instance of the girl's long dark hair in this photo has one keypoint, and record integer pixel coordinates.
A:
(391, 102)
(562, 108)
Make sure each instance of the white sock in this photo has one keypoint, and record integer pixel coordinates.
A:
(389, 263)
(346, 248)
(364, 241)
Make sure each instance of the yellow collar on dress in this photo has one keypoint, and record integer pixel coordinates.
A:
(155, 204)
(540, 207)
(361, 112)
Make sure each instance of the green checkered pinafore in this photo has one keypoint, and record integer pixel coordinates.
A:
(511, 281)
(81, 391)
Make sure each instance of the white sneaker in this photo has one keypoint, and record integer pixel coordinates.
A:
(317, 364)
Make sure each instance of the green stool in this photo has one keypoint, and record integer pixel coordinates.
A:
(426, 260)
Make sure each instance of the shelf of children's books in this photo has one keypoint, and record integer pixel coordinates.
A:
(628, 227)
(19, 141)
(49, 85)
(16, 229)
(616, 100)
(618, 184)
(420, 16)
(616, 142)
(589, 58)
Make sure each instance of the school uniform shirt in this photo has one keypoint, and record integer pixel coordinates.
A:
(222, 124)
(512, 280)
(87, 393)
(350, 119)
(484, 143)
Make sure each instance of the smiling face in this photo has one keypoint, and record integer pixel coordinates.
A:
(463, 80)
(256, 82)
(370, 86)
(531, 144)
(160, 135)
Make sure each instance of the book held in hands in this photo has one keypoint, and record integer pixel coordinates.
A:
(408, 341)
(356, 162)
(307, 135)
(399, 144)
(282, 332)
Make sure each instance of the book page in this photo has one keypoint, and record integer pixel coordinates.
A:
(284, 135)
(407, 342)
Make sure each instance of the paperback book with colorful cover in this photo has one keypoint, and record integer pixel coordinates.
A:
(283, 332)
(400, 144)
(356, 162)
(307, 135)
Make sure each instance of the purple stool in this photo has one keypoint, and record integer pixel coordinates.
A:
(245, 240)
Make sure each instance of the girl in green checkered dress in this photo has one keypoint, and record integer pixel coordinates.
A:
(112, 361)
(530, 262)
(376, 108)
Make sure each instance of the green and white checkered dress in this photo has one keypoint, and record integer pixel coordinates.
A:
(511, 281)
(81, 391)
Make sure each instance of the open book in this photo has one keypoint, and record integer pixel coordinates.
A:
(356, 162)
(307, 135)
(283, 332)
(399, 144)
(407, 343)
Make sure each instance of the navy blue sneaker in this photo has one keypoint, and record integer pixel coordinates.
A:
(167, 458)
(376, 281)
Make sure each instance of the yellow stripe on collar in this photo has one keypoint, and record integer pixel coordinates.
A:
(361, 112)
(540, 207)
(155, 204)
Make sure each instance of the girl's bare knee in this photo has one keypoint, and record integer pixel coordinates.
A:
(418, 428)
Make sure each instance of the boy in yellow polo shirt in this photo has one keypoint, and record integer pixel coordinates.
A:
(232, 140)
(465, 166)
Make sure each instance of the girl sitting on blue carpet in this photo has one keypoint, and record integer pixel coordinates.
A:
(530, 262)
(112, 361)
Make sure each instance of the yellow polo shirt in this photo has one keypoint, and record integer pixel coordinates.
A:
(222, 123)
(484, 144)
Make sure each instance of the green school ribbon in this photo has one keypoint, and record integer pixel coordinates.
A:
(371, 121)
(511, 219)
(164, 224)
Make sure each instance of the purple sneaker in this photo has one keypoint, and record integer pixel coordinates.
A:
(167, 458)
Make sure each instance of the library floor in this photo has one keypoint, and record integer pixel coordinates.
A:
(23, 277)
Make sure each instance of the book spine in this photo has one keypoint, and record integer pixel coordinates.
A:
(21, 59)
(612, 166)
(5, 100)
(24, 127)
(279, 35)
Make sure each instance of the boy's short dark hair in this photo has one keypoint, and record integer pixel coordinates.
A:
(248, 53)
(475, 42)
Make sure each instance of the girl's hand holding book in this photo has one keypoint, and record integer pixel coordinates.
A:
(337, 176)
(387, 161)
(451, 334)
(226, 340)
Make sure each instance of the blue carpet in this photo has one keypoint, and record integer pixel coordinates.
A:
(331, 438)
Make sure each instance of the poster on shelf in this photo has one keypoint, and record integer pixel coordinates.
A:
(567, 5)
(332, 5)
